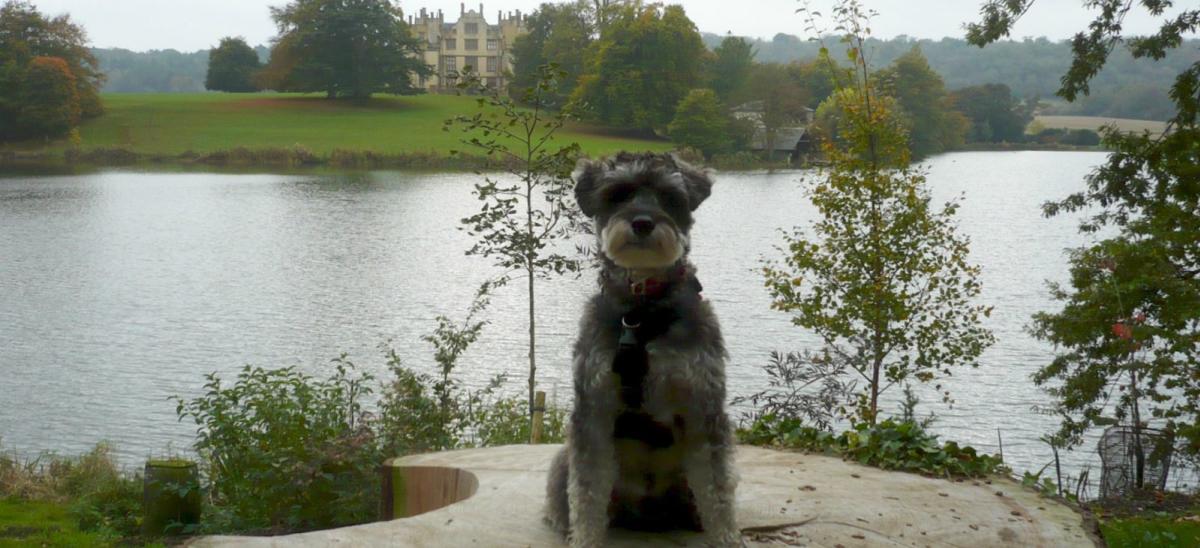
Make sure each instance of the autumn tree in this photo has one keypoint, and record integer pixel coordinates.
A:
(232, 67)
(25, 36)
(1128, 332)
(881, 276)
(700, 123)
(50, 102)
(344, 48)
(648, 57)
(934, 125)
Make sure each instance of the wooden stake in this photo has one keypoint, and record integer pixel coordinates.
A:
(539, 410)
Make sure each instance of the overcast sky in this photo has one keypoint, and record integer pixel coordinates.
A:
(189, 25)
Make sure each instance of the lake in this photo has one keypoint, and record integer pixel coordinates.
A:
(119, 289)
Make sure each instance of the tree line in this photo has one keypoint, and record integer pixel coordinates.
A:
(646, 68)
(1031, 67)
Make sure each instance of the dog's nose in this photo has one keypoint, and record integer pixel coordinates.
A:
(643, 225)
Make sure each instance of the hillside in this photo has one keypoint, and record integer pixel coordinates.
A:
(172, 124)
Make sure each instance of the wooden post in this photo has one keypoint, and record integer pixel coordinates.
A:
(539, 410)
(170, 497)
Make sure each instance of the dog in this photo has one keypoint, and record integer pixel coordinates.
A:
(649, 442)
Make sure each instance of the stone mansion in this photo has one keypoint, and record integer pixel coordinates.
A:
(469, 42)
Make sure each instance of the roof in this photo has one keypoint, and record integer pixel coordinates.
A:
(787, 138)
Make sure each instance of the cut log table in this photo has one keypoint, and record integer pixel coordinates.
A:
(494, 497)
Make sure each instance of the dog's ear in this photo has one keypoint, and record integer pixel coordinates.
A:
(587, 179)
(698, 182)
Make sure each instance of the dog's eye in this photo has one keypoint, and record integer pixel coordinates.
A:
(620, 194)
(672, 200)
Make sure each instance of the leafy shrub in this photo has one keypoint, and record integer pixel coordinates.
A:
(506, 421)
(284, 450)
(890, 445)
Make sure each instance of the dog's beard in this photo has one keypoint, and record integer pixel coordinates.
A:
(661, 249)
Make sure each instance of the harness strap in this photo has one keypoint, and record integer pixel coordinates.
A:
(631, 364)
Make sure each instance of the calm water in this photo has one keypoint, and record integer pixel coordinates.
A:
(120, 289)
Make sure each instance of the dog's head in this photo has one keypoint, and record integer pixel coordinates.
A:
(642, 205)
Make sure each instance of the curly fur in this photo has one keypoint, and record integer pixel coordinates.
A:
(678, 472)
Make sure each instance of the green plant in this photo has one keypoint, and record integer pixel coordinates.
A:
(284, 450)
(882, 276)
(889, 444)
(504, 422)
(520, 222)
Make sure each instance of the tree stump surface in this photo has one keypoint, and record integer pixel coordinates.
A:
(784, 499)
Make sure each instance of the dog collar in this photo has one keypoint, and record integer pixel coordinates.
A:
(651, 286)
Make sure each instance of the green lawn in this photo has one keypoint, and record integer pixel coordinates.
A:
(205, 122)
(1150, 532)
(29, 523)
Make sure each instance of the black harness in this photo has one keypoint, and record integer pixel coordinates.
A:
(650, 317)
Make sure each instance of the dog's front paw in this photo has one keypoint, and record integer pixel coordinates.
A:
(576, 540)
(723, 539)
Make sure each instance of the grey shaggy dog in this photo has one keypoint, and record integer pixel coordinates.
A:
(649, 444)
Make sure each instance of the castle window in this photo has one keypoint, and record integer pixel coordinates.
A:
(471, 44)
(493, 45)
(451, 43)
(471, 28)
(491, 64)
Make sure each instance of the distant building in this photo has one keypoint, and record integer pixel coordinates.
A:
(794, 140)
(469, 42)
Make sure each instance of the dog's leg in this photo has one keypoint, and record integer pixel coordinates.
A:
(592, 466)
(710, 474)
(558, 509)
(711, 477)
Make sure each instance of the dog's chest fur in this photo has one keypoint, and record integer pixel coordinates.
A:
(651, 441)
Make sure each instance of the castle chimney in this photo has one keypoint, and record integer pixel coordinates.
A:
(462, 9)
(481, 9)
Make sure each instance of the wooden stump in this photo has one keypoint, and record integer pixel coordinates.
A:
(170, 496)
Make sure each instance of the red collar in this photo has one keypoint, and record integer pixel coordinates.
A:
(653, 287)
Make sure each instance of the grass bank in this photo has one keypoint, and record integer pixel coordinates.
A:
(287, 129)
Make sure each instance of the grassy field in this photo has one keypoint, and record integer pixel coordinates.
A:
(1096, 122)
(172, 124)
(35, 524)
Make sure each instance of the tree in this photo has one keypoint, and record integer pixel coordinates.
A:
(934, 126)
(558, 34)
(783, 100)
(26, 35)
(345, 48)
(731, 68)
(1129, 329)
(882, 276)
(232, 67)
(995, 115)
(700, 123)
(817, 78)
(520, 223)
(647, 59)
(50, 102)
